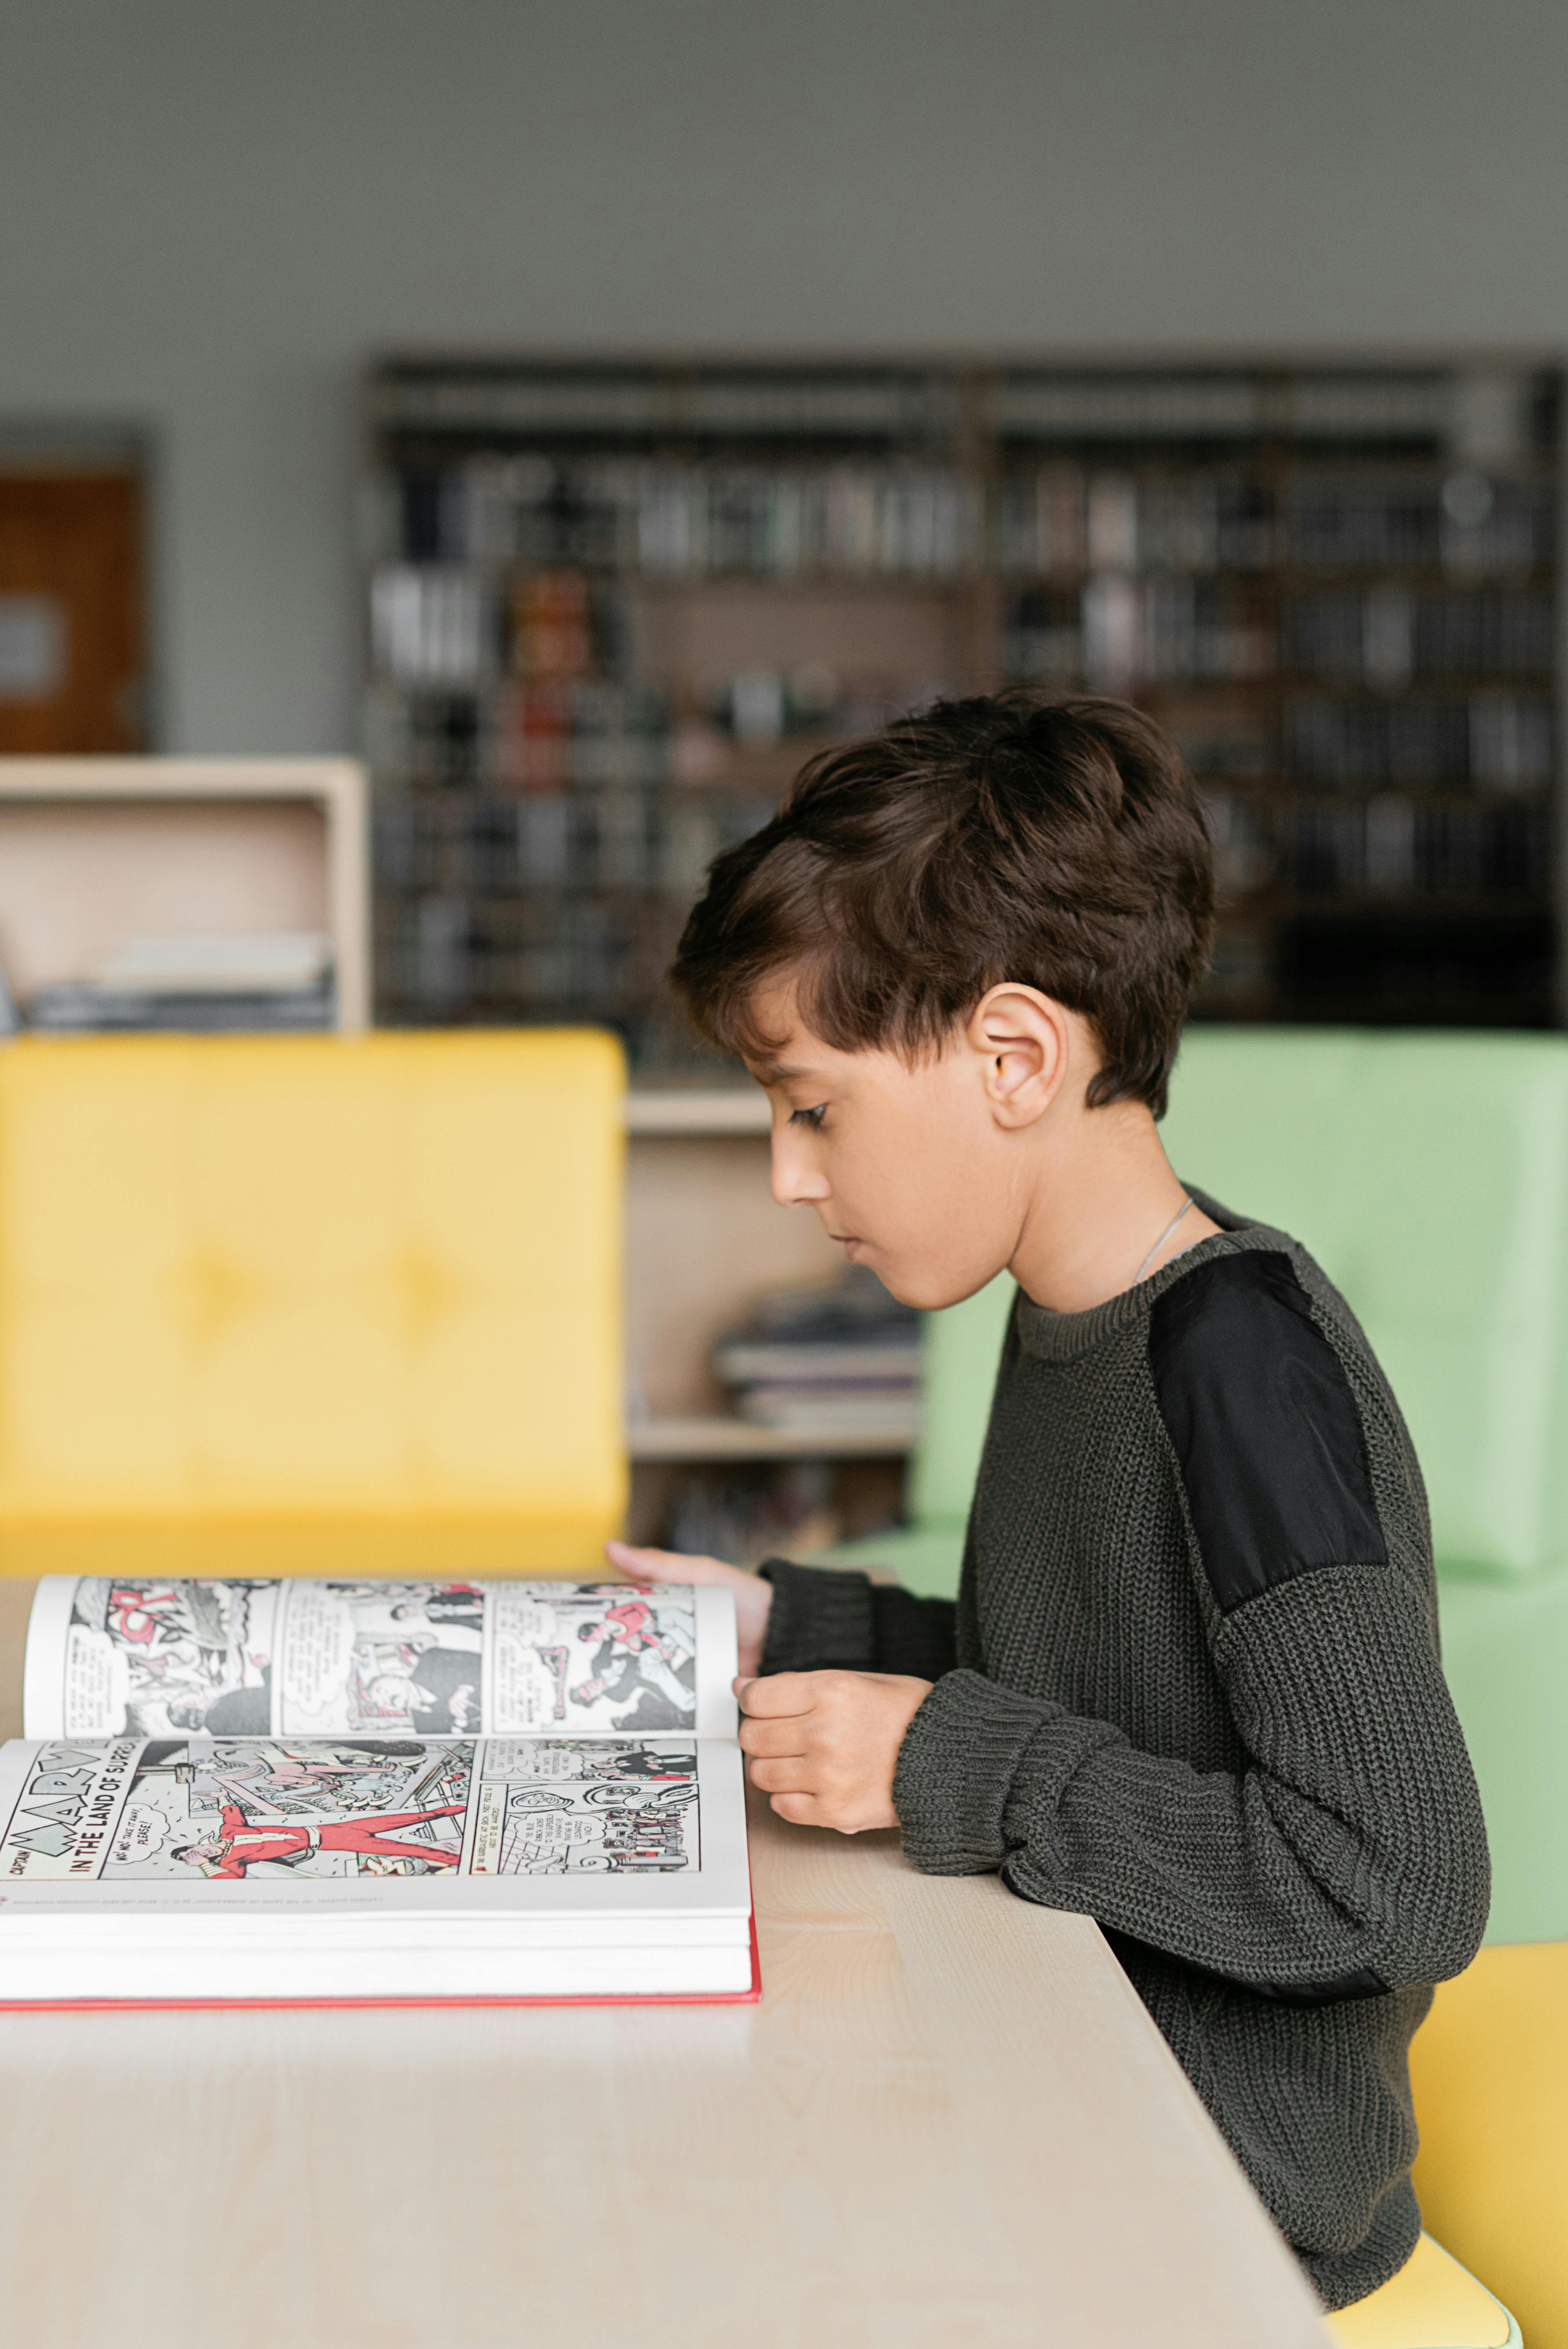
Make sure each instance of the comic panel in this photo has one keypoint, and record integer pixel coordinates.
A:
(257, 1810)
(384, 1657)
(574, 1657)
(155, 1658)
(586, 1807)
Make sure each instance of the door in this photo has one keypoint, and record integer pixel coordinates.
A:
(72, 658)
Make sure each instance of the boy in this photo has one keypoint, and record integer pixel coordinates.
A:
(1189, 1686)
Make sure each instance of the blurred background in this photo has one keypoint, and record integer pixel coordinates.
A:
(456, 459)
(579, 416)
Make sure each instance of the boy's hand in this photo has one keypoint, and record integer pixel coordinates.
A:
(824, 1744)
(753, 1598)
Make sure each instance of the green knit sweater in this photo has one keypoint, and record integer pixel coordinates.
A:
(1191, 1687)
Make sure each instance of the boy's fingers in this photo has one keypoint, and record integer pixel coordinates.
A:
(663, 1564)
(800, 1810)
(790, 1776)
(779, 1735)
(643, 1565)
(781, 1692)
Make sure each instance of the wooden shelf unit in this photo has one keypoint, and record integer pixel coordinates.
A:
(94, 851)
(703, 1237)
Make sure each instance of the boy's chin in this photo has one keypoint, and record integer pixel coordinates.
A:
(928, 1290)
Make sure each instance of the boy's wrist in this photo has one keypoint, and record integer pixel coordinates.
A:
(820, 1619)
(955, 1769)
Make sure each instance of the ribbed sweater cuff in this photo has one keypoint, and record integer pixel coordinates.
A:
(955, 1769)
(820, 1620)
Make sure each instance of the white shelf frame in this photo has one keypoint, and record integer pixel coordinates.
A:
(337, 785)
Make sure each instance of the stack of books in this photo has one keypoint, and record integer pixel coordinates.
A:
(843, 1359)
(279, 982)
(673, 519)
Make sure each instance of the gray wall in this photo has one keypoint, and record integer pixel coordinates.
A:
(213, 210)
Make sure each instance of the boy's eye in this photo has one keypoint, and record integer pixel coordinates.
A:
(811, 1117)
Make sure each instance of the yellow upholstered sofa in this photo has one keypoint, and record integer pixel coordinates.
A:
(310, 1304)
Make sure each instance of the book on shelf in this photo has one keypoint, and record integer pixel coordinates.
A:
(67, 1009)
(841, 1360)
(274, 1791)
(751, 1361)
(835, 1409)
(889, 518)
(1494, 741)
(267, 981)
(1385, 635)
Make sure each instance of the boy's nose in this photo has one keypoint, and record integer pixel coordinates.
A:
(796, 1183)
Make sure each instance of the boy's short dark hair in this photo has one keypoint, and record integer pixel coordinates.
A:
(1058, 844)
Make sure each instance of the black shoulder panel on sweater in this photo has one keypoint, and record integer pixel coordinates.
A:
(1265, 1425)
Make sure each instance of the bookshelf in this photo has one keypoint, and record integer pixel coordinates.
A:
(95, 851)
(612, 606)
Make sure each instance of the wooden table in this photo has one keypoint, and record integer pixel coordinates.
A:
(950, 2123)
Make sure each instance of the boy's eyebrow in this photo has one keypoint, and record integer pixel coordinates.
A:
(776, 1072)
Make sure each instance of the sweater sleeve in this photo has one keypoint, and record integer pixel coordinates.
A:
(824, 1619)
(1347, 1855)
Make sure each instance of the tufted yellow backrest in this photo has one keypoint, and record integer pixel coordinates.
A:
(305, 1280)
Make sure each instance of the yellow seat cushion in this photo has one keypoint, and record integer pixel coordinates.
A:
(260, 1282)
(1490, 2071)
(1431, 2303)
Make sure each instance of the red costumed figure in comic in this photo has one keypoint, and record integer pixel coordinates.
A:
(240, 1845)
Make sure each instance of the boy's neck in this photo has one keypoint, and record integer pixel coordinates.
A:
(1101, 1197)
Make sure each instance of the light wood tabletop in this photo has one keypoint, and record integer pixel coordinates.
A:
(949, 2124)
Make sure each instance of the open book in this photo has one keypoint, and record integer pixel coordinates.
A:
(286, 1790)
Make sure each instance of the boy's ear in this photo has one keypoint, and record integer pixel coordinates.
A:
(1023, 1040)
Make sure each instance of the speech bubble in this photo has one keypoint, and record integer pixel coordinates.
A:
(141, 1834)
(548, 1830)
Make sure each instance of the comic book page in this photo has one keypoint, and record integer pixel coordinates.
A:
(110, 1658)
(265, 1812)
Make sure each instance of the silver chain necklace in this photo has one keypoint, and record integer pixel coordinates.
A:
(1186, 1203)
